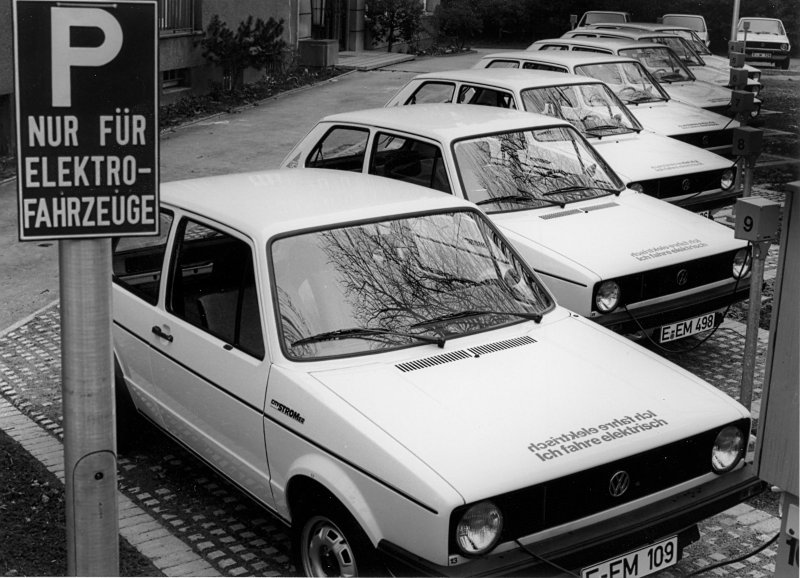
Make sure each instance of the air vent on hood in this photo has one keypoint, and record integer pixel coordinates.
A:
(501, 345)
(561, 214)
(598, 207)
(435, 360)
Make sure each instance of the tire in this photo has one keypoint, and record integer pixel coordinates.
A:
(327, 541)
(785, 63)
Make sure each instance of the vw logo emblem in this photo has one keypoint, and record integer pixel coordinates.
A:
(619, 484)
(683, 277)
(685, 184)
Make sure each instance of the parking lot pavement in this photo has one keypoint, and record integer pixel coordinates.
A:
(220, 528)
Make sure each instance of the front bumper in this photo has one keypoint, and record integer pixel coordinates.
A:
(575, 549)
(676, 307)
(707, 200)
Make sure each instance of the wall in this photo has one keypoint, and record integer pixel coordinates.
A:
(7, 143)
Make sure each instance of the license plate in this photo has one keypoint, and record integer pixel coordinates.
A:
(761, 54)
(639, 563)
(706, 214)
(686, 328)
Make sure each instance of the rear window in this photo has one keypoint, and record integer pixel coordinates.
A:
(694, 22)
(604, 17)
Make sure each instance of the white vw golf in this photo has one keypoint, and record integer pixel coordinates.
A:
(379, 369)
(624, 259)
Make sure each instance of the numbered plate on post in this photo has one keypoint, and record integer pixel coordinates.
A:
(639, 563)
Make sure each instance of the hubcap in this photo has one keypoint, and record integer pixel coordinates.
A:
(325, 551)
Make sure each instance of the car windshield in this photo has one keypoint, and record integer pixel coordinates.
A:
(660, 62)
(682, 48)
(591, 108)
(594, 18)
(530, 169)
(395, 283)
(763, 27)
(696, 42)
(629, 80)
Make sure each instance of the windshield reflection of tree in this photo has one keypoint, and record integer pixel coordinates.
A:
(397, 275)
(629, 81)
(591, 108)
(530, 164)
(660, 62)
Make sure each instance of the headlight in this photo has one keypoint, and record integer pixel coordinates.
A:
(727, 179)
(607, 297)
(756, 111)
(728, 449)
(636, 187)
(742, 263)
(755, 89)
(784, 47)
(479, 529)
(755, 75)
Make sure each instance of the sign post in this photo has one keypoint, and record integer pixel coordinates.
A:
(87, 164)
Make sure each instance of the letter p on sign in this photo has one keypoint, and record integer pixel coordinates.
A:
(64, 56)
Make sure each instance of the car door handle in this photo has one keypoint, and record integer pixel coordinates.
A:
(157, 330)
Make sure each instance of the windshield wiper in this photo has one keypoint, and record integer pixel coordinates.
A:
(517, 198)
(536, 317)
(608, 127)
(581, 188)
(365, 333)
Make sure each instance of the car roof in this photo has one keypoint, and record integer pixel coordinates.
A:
(561, 56)
(652, 26)
(509, 78)
(446, 122)
(264, 203)
(759, 18)
(632, 33)
(609, 43)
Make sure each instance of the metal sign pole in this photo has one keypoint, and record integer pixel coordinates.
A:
(760, 251)
(90, 463)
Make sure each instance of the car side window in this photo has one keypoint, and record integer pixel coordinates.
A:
(433, 92)
(213, 286)
(409, 160)
(503, 64)
(485, 96)
(137, 262)
(587, 49)
(540, 66)
(342, 148)
(554, 47)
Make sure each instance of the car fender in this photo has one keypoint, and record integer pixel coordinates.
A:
(341, 484)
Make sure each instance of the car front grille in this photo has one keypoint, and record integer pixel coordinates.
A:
(707, 139)
(585, 493)
(665, 281)
(768, 45)
(682, 184)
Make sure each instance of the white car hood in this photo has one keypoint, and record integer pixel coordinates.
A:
(698, 93)
(675, 118)
(627, 234)
(481, 421)
(648, 156)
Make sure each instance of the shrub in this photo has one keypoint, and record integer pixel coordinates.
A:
(458, 19)
(394, 20)
(256, 44)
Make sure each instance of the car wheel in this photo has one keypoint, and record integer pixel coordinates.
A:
(785, 64)
(327, 541)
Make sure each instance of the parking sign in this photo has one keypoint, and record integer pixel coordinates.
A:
(87, 118)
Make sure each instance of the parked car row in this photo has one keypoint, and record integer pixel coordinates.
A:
(407, 343)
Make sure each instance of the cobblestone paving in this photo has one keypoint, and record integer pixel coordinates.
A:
(238, 538)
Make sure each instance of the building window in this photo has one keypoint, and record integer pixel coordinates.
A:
(176, 78)
(176, 15)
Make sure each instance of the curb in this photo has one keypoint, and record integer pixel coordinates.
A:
(148, 535)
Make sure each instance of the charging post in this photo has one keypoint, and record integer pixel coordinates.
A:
(757, 222)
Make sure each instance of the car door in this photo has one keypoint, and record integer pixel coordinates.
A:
(138, 285)
(208, 352)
